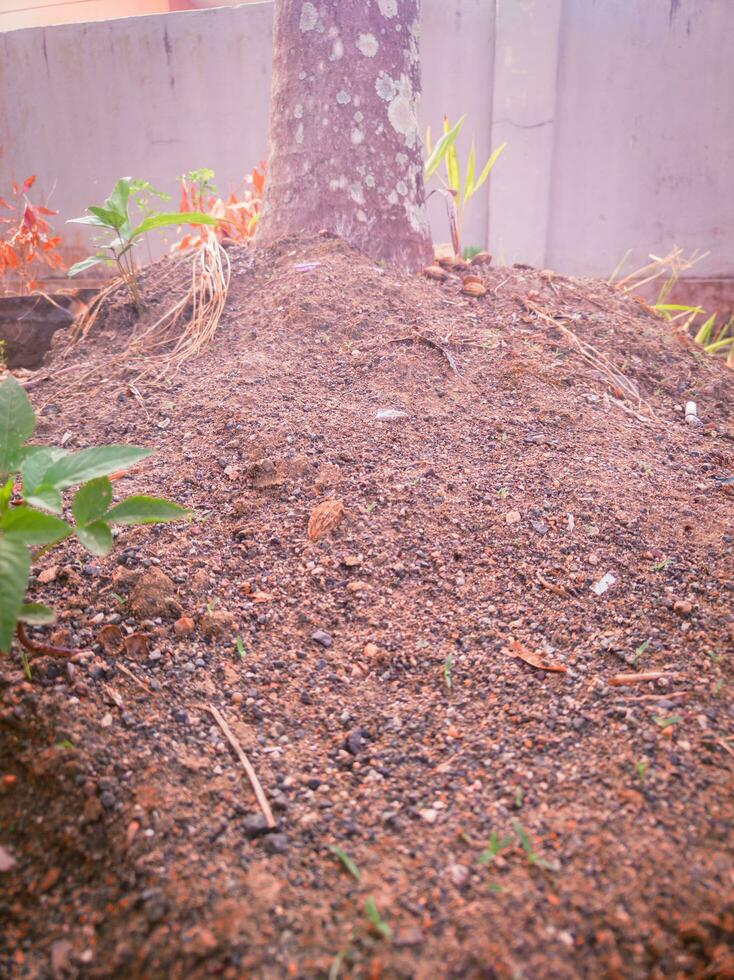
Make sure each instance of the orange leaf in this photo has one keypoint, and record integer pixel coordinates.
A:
(29, 182)
(521, 651)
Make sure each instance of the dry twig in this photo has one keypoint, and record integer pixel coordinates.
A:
(251, 774)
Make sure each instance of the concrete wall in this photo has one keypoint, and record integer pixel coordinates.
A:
(617, 113)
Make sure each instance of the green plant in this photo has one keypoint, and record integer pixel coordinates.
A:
(458, 190)
(641, 649)
(641, 770)
(124, 235)
(346, 861)
(495, 844)
(662, 565)
(376, 921)
(240, 648)
(525, 843)
(35, 521)
(667, 722)
(447, 665)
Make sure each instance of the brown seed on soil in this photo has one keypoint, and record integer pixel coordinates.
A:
(481, 258)
(474, 289)
(136, 645)
(325, 518)
(110, 638)
(435, 272)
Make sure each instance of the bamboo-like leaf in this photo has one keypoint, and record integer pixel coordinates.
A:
(167, 218)
(452, 170)
(439, 150)
(469, 178)
(489, 164)
(704, 334)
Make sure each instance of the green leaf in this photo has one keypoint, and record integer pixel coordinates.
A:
(166, 218)
(112, 219)
(346, 861)
(37, 459)
(452, 169)
(91, 500)
(704, 334)
(17, 421)
(88, 464)
(469, 179)
(95, 537)
(15, 567)
(87, 219)
(439, 150)
(489, 164)
(378, 924)
(87, 264)
(145, 510)
(117, 201)
(5, 494)
(32, 527)
(36, 614)
(45, 498)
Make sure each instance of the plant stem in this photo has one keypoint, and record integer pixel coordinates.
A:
(42, 648)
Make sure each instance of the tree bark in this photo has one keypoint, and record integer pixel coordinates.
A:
(345, 148)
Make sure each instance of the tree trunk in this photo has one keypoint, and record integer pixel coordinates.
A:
(345, 149)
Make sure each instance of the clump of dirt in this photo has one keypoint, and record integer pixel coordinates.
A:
(511, 483)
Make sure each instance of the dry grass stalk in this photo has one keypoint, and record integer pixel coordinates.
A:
(619, 383)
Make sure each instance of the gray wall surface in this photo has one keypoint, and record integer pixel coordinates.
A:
(618, 115)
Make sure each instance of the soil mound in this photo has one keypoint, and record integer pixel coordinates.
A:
(431, 532)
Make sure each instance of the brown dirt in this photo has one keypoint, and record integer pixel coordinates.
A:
(474, 528)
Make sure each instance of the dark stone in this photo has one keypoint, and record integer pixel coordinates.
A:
(322, 637)
(255, 825)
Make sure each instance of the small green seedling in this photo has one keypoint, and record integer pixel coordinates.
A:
(376, 921)
(645, 467)
(495, 888)
(123, 234)
(211, 605)
(31, 525)
(346, 861)
(667, 722)
(660, 566)
(641, 770)
(519, 794)
(502, 493)
(447, 665)
(26, 665)
(527, 846)
(495, 844)
(65, 745)
(641, 649)
(240, 648)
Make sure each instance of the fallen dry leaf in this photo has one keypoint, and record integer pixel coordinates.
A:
(521, 651)
(261, 597)
(110, 638)
(325, 518)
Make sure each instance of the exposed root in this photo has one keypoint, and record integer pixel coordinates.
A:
(47, 649)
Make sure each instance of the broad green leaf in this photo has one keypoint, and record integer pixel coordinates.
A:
(87, 464)
(38, 459)
(112, 219)
(17, 421)
(117, 201)
(32, 527)
(439, 150)
(91, 500)
(5, 494)
(88, 219)
(489, 164)
(166, 218)
(87, 264)
(469, 179)
(95, 537)
(145, 510)
(45, 498)
(15, 567)
(36, 614)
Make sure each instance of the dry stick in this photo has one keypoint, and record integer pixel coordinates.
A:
(659, 697)
(415, 336)
(619, 680)
(251, 774)
(132, 676)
